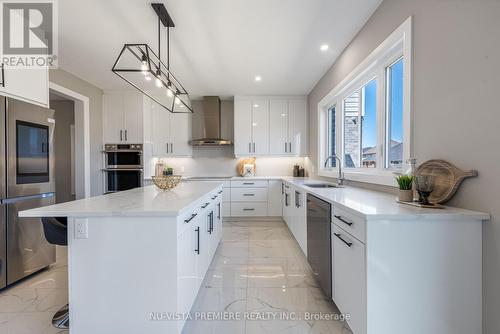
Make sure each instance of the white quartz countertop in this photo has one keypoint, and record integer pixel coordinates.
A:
(146, 201)
(376, 205)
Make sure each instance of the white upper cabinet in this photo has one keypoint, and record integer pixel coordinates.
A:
(278, 123)
(29, 85)
(260, 127)
(180, 134)
(242, 126)
(270, 126)
(169, 133)
(122, 118)
(297, 127)
(160, 129)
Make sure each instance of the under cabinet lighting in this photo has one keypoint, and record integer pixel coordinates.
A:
(324, 47)
(258, 78)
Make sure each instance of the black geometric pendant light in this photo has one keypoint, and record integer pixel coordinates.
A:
(138, 65)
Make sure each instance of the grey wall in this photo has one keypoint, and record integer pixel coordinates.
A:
(64, 114)
(456, 75)
(94, 94)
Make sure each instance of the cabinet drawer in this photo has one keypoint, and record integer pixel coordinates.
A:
(188, 218)
(249, 195)
(239, 209)
(349, 277)
(249, 183)
(351, 223)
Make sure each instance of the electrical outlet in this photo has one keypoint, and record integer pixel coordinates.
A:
(81, 228)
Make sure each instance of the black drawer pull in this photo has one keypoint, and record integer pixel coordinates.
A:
(204, 206)
(248, 194)
(343, 220)
(347, 243)
(190, 218)
(248, 183)
(220, 192)
(214, 197)
(197, 250)
(248, 209)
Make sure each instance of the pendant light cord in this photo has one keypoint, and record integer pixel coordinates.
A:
(159, 44)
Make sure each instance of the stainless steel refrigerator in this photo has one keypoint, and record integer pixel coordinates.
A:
(26, 181)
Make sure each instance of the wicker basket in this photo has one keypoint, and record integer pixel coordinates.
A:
(167, 182)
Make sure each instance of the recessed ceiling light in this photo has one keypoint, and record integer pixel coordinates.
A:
(324, 47)
(255, 105)
(258, 78)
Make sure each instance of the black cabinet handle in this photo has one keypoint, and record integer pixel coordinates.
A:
(3, 75)
(121, 135)
(248, 209)
(220, 192)
(204, 206)
(248, 194)
(343, 220)
(190, 218)
(210, 221)
(349, 244)
(126, 135)
(248, 183)
(214, 197)
(218, 210)
(197, 250)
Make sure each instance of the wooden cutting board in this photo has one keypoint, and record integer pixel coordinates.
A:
(242, 162)
(447, 179)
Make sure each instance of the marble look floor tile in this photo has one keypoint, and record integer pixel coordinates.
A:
(32, 300)
(238, 248)
(28, 323)
(214, 327)
(287, 299)
(273, 248)
(56, 278)
(293, 327)
(221, 261)
(269, 233)
(235, 233)
(220, 299)
(231, 276)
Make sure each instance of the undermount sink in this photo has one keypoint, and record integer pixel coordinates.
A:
(321, 185)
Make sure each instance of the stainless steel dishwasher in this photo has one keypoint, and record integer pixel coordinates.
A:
(319, 254)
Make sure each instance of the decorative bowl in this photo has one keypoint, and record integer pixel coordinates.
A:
(167, 182)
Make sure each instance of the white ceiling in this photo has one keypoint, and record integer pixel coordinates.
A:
(217, 46)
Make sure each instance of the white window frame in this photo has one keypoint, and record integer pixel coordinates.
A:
(397, 45)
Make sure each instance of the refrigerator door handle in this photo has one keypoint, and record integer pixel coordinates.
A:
(25, 198)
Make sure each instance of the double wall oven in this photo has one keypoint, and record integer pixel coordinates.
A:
(124, 167)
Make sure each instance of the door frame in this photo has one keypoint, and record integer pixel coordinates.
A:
(82, 105)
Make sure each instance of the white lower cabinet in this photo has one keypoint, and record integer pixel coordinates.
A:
(295, 212)
(274, 208)
(349, 278)
(199, 234)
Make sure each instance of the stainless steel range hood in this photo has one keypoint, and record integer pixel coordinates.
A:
(211, 124)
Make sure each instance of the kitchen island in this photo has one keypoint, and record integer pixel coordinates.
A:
(136, 259)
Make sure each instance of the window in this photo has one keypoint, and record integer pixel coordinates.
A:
(331, 137)
(365, 120)
(360, 127)
(394, 139)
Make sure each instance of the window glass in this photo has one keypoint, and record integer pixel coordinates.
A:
(394, 138)
(360, 127)
(331, 137)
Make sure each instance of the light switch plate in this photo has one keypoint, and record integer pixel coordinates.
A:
(81, 228)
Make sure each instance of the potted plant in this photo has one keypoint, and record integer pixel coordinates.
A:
(405, 183)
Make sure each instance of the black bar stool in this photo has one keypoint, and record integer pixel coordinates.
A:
(56, 233)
